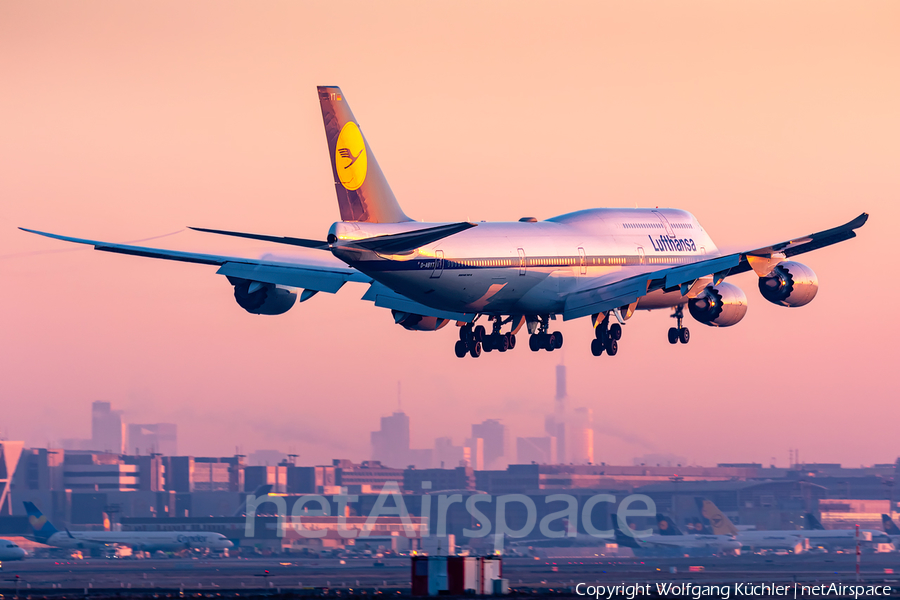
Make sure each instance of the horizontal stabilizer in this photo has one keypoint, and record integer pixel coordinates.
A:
(397, 243)
(292, 241)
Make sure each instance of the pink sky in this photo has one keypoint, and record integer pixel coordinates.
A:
(767, 120)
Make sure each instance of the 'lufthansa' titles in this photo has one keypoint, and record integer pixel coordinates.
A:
(667, 244)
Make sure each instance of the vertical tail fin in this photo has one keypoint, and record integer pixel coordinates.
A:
(41, 528)
(718, 522)
(812, 522)
(622, 539)
(363, 192)
(667, 526)
(890, 527)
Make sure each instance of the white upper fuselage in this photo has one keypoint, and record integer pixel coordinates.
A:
(529, 267)
(10, 551)
(140, 540)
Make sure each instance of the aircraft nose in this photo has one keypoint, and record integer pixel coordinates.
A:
(227, 544)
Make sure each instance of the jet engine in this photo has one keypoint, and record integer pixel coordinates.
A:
(722, 305)
(789, 284)
(262, 298)
(415, 322)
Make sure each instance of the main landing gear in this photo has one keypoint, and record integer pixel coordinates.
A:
(606, 337)
(475, 340)
(541, 339)
(679, 333)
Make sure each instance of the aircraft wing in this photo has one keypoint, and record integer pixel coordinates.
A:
(607, 293)
(322, 278)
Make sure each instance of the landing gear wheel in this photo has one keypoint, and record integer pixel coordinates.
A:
(673, 335)
(475, 349)
(534, 342)
(596, 347)
(557, 339)
(615, 331)
(612, 347)
(512, 340)
(684, 336)
(549, 341)
(461, 349)
(489, 343)
(478, 332)
(502, 343)
(465, 333)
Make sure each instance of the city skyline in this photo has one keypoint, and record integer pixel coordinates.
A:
(766, 121)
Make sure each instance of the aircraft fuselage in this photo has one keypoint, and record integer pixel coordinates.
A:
(529, 267)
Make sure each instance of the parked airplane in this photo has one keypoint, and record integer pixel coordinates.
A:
(891, 529)
(876, 537)
(785, 538)
(672, 540)
(43, 531)
(605, 263)
(11, 551)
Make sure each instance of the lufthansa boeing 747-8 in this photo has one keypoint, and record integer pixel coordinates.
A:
(604, 263)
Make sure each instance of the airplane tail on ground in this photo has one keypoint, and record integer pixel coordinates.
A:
(812, 522)
(889, 526)
(41, 528)
(667, 526)
(718, 522)
(622, 539)
(363, 192)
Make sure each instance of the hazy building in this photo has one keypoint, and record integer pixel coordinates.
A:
(390, 445)
(266, 457)
(153, 438)
(448, 456)
(580, 432)
(555, 422)
(107, 428)
(493, 432)
(540, 450)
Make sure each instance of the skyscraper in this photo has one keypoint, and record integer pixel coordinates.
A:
(493, 432)
(390, 445)
(107, 428)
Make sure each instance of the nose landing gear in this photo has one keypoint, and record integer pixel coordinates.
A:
(679, 333)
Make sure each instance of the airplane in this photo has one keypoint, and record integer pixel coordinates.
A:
(602, 263)
(891, 529)
(43, 531)
(787, 538)
(876, 537)
(11, 551)
(672, 540)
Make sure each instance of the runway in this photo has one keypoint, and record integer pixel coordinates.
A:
(353, 575)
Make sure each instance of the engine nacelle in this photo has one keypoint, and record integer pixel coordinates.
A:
(789, 284)
(722, 305)
(262, 298)
(415, 322)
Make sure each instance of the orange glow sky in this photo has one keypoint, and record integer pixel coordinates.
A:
(122, 121)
